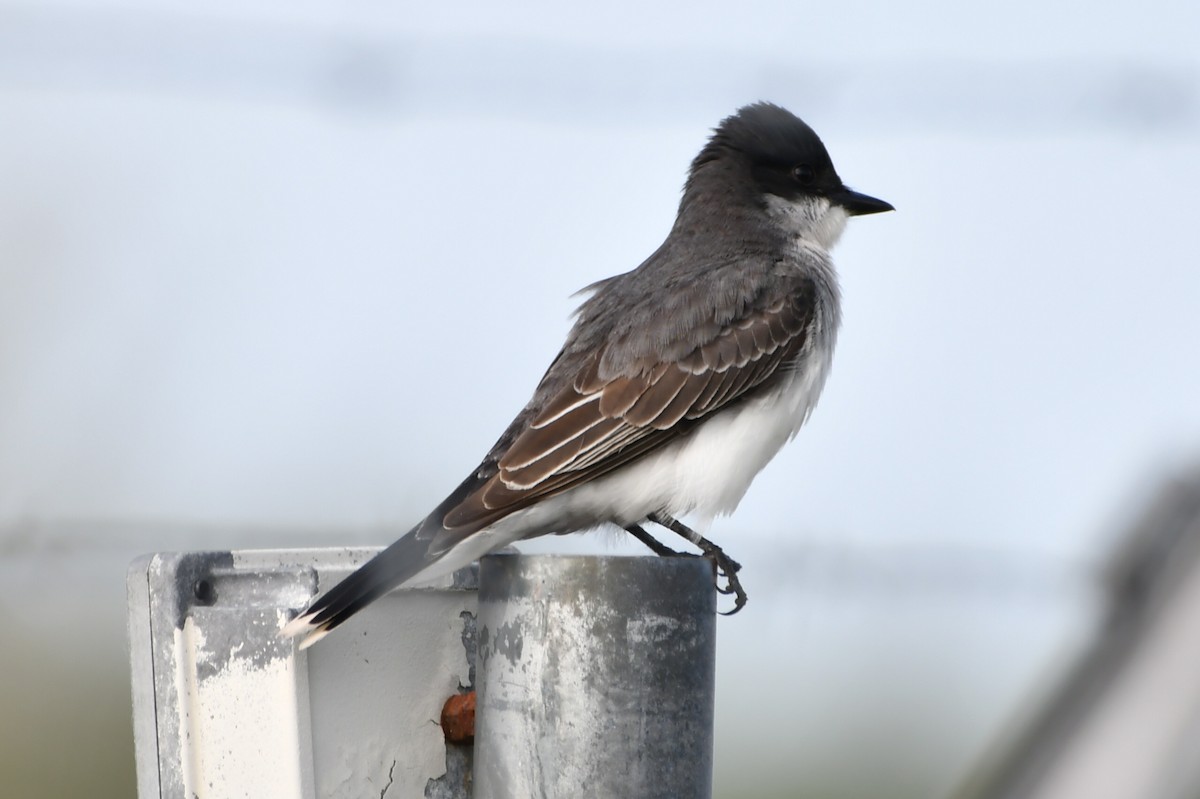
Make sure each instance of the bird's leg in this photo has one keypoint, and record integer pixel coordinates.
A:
(723, 565)
(659, 548)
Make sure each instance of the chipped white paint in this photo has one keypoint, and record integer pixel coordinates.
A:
(240, 721)
(225, 707)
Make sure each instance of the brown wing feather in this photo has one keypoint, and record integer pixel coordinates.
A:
(620, 395)
(677, 408)
(551, 461)
(658, 395)
(714, 389)
(540, 440)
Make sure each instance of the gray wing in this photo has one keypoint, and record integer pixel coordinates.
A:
(594, 424)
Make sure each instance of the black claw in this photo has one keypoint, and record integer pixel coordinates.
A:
(726, 567)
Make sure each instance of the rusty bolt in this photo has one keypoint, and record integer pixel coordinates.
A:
(458, 718)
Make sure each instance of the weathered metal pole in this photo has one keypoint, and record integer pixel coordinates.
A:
(596, 677)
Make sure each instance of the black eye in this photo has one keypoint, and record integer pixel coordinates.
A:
(803, 174)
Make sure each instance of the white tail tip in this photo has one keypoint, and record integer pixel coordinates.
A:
(302, 626)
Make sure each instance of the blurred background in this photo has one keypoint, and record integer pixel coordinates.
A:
(235, 239)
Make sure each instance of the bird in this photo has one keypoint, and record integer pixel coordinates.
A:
(678, 381)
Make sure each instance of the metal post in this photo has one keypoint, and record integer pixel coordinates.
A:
(596, 677)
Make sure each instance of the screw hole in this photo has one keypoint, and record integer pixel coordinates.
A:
(205, 592)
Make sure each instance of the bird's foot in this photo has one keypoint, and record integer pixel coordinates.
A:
(727, 568)
(724, 567)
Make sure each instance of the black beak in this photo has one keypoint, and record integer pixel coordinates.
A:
(859, 204)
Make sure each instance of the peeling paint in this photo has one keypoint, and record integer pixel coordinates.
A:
(234, 711)
(508, 641)
(239, 722)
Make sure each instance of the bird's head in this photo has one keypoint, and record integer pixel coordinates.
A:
(766, 157)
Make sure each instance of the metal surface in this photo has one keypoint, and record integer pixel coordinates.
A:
(595, 677)
(224, 707)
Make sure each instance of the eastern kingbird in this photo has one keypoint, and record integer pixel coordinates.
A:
(677, 384)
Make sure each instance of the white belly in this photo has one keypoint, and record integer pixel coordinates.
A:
(709, 471)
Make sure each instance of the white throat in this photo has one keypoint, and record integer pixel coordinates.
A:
(814, 219)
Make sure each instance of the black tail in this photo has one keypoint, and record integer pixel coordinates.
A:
(397, 564)
(400, 562)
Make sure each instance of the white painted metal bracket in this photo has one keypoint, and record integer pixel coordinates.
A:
(224, 707)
